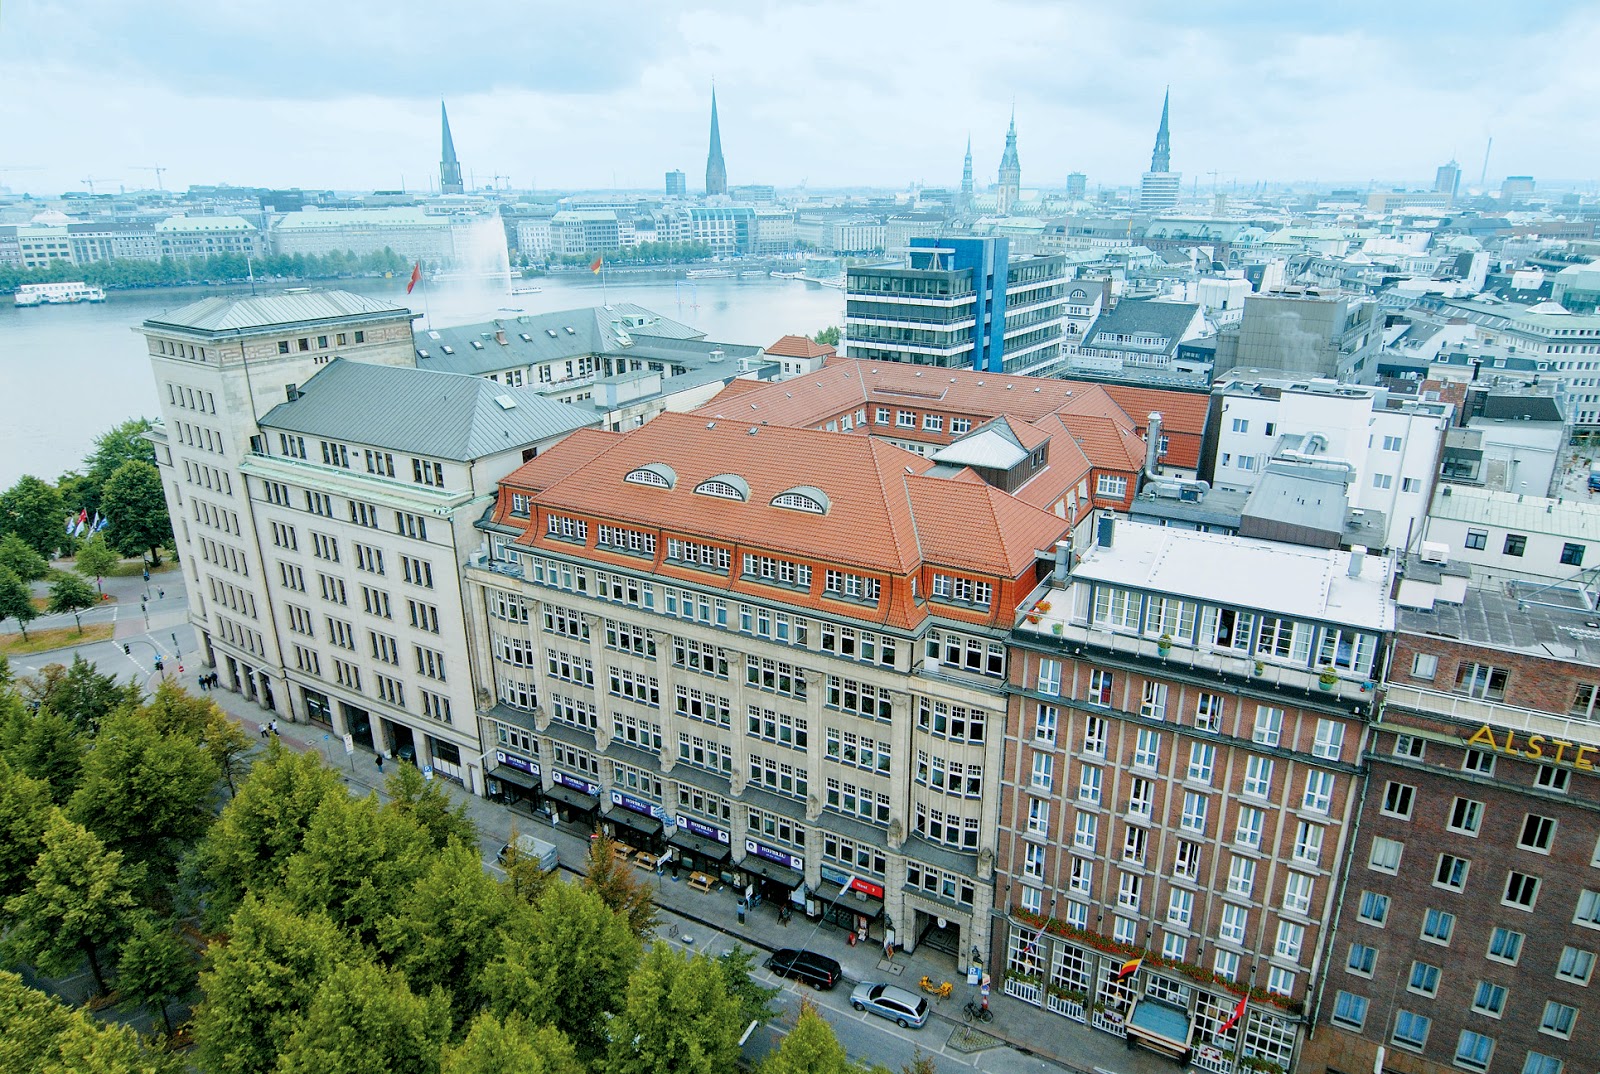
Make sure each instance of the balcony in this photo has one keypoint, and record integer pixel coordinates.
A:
(1478, 711)
(1265, 674)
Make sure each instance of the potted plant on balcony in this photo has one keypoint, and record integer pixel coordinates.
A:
(1164, 644)
(1260, 667)
(1328, 678)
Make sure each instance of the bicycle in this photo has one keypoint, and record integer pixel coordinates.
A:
(942, 990)
(974, 1012)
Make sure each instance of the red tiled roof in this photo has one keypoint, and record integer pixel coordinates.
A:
(800, 347)
(954, 518)
(1108, 445)
(561, 461)
(1067, 466)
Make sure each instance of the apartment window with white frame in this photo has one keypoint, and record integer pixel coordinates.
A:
(1086, 831)
(1089, 783)
(1329, 741)
(1576, 965)
(1318, 796)
(1248, 831)
(1045, 720)
(1202, 762)
(1308, 843)
(1195, 810)
(1258, 776)
(1049, 677)
(1208, 713)
(1154, 704)
(1147, 749)
(1038, 816)
(1384, 856)
(1297, 890)
(1241, 876)
(1044, 767)
(1268, 726)
(1180, 907)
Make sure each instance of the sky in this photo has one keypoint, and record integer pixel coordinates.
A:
(822, 93)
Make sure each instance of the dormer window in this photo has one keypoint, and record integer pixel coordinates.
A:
(725, 487)
(803, 498)
(657, 474)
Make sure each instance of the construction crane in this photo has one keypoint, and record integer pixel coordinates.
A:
(158, 169)
(91, 182)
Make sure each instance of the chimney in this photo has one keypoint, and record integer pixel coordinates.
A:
(500, 337)
(1063, 561)
(1152, 443)
(1358, 556)
(1105, 530)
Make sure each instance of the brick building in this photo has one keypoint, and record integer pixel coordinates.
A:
(1468, 931)
(1181, 770)
(775, 656)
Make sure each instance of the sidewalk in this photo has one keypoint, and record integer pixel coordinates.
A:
(1025, 1028)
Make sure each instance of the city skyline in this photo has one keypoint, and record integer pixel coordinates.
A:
(1256, 96)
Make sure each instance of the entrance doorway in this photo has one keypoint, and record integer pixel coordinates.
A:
(939, 933)
(358, 725)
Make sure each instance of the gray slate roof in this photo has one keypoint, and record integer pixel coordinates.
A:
(440, 415)
(1142, 317)
(545, 337)
(227, 314)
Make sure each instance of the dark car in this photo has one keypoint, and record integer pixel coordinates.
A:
(816, 970)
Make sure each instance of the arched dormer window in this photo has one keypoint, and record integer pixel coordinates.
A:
(725, 487)
(658, 474)
(803, 498)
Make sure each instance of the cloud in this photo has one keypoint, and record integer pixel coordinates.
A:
(823, 91)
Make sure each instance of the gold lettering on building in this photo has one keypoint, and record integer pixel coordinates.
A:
(1536, 747)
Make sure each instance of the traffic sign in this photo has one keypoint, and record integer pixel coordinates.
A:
(349, 743)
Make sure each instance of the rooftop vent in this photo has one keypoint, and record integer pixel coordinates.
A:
(506, 402)
(500, 337)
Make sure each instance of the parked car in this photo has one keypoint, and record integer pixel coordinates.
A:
(530, 848)
(819, 971)
(905, 1009)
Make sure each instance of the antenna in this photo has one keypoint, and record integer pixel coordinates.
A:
(1483, 176)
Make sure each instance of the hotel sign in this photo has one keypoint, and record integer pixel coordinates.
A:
(1536, 747)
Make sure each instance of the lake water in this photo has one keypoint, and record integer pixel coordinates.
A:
(68, 373)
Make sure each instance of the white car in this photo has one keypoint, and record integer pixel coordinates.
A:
(905, 1009)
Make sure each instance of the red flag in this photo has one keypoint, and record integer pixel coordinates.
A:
(1233, 1019)
(416, 276)
(594, 266)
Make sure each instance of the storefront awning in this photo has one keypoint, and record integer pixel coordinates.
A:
(1159, 1026)
(778, 874)
(854, 901)
(576, 799)
(524, 780)
(700, 847)
(638, 822)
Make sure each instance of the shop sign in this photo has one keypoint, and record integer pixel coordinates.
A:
(635, 805)
(1536, 747)
(847, 882)
(704, 831)
(779, 857)
(576, 784)
(521, 764)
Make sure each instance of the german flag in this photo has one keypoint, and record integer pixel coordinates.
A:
(1130, 967)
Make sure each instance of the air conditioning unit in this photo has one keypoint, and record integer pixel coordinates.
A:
(1435, 552)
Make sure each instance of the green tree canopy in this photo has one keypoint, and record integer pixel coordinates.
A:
(828, 337)
(43, 744)
(425, 802)
(258, 834)
(70, 593)
(83, 695)
(512, 1046)
(96, 559)
(810, 1048)
(22, 558)
(79, 899)
(38, 1035)
(132, 499)
(145, 793)
(755, 999)
(618, 885)
(365, 1019)
(678, 1018)
(24, 811)
(32, 509)
(259, 984)
(16, 601)
(156, 967)
(568, 969)
(112, 448)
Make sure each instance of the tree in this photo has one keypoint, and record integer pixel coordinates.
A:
(512, 1046)
(525, 874)
(811, 1048)
(617, 884)
(259, 984)
(96, 560)
(32, 510)
(828, 337)
(755, 1000)
(112, 448)
(70, 593)
(79, 899)
(132, 499)
(425, 802)
(24, 810)
(145, 793)
(21, 557)
(678, 1018)
(449, 927)
(16, 602)
(82, 694)
(365, 1019)
(39, 1035)
(156, 967)
(226, 743)
(568, 968)
(262, 829)
(43, 744)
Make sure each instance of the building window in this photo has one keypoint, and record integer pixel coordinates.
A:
(1424, 979)
(1349, 1010)
(1044, 766)
(1558, 1019)
(1384, 856)
(1516, 544)
(1477, 539)
(1482, 681)
(1411, 1029)
(1576, 965)
(1437, 926)
(1111, 486)
(1409, 746)
(1537, 833)
(1473, 1050)
(1398, 799)
(1374, 908)
(1361, 959)
(1479, 761)
(1522, 890)
(1572, 554)
(1329, 741)
(1451, 872)
(1202, 761)
(1505, 946)
(1424, 666)
(1269, 725)
(1552, 778)
(1466, 816)
(1318, 797)
(1539, 1063)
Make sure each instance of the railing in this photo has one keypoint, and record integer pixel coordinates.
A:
(1026, 991)
(1481, 711)
(1067, 1008)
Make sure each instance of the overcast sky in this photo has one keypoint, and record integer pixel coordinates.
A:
(601, 93)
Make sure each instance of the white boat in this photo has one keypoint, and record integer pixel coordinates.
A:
(58, 294)
(711, 274)
(787, 275)
(530, 290)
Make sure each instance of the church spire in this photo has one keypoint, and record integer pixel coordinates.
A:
(966, 177)
(1161, 159)
(449, 166)
(716, 170)
(1010, 185)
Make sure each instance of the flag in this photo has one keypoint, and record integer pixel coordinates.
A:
(416, 277)
(1233, 1019)
(94, 526)
(104, 522)
(71, 521)
(83, 523)
(1130, 967)
(594, 266)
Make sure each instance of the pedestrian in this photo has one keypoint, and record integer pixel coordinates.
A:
(161, 594)
(274, 725)
(147, 574)
(264, 731)
(378, 760)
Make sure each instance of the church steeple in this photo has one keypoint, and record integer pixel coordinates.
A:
(716, 170)
(1010, 187)
(966, 177)
(449, 166)
(1161, 159)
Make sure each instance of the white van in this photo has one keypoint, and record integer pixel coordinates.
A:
(532, 847)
